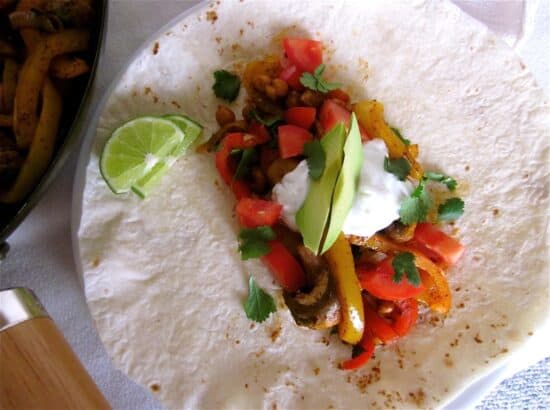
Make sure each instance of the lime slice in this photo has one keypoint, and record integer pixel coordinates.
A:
(142, 187)
(135, 148)
(190, 128)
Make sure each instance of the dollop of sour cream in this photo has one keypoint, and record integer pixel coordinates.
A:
(377, 201)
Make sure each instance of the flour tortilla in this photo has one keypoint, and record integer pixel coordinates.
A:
(163, 278)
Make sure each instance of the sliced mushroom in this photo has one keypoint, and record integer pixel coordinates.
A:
(317, 308)
(400, 232)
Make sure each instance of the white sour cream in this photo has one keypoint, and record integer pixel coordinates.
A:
(376, 203)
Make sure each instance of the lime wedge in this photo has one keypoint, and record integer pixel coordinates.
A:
(135, 148)
(142, 187)
(190, 128)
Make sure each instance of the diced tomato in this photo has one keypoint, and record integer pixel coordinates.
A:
(339, 94)
(379, 282)
(291, 75)
(367, 343)
(404, 316)
(377, 325)
(301, 116)
(305, 54)
(226, 166)
(284, 267)
(292, 140)
(255, 128)
(332, 113)
(437, 244)
(254, 212)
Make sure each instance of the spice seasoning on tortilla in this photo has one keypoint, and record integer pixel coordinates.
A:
(292, 112)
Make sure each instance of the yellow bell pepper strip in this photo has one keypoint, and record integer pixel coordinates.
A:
(437, 294)
(42, 147)
(348, 290)
(370, 114)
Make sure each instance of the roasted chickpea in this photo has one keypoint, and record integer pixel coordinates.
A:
(270, 92)
(281, 87)
(312, 98)
(224, 115)
(293, 99)
(261, 81)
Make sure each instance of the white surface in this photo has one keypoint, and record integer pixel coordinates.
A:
(41, 255)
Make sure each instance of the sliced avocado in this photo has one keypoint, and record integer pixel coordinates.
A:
(314, 213)
(346, 185)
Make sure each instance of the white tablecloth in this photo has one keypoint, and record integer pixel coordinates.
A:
(41, 255)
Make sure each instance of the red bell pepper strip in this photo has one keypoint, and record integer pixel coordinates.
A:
(404, 316)
(367, 343)
(377, 325)
(286, 270)
(253, 212)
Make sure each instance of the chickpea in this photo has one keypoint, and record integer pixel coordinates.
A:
(312, 98)
(260, 82)
(281, 87)
(224, 115)
(293, 99)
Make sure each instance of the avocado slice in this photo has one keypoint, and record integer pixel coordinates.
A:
(346, 185)
(313, 216)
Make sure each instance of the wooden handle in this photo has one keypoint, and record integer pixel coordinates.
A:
(39, 370)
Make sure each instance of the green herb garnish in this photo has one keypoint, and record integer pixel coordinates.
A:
(316, 82)
(444, 179)
(315, 157)
(269, 122)
(403, 264)
(253, 242)
(259, 304)
(415, 208)
(401, 137)
(247, 158)
(226, 85)
(451, 209)
(399, 167)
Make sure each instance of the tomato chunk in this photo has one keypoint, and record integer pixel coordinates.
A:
(291, 75)
(379, 282)
(284, 267)
(292, 140)
(305, 54)
(437, 243)
(404, 316)
(254, 212)
(301, 116)
(332, 113)
(339, 94)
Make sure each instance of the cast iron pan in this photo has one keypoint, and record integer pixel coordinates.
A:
(69, 137)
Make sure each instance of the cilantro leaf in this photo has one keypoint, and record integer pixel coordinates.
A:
(399, 167)
(316, 157)
(415, 208)
(451, 209)
(269, 122)
(403, 264)
(247, 157)
(444, 179)
(253, 242)
(259, 304)
(226, 85)
(316, 82)
(401, 137)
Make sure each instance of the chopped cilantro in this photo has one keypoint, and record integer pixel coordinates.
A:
(226, 85)
(451, 209)
(401, 137)
(259, 304)
(399, 167)
(403, 264)
(269, 122)
(316, 157)
(444, 179)
(247, 157)
(316, 82)
(415, 208)
(253, 242)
